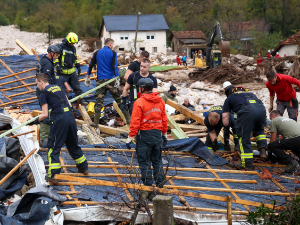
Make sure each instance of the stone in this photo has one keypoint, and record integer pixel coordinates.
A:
(163, 210)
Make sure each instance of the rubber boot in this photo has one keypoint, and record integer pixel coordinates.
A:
(263, 153)
(96, 120)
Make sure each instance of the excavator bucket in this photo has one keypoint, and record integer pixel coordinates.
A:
(225, 48)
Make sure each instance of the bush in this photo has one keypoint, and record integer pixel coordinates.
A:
(4, 21)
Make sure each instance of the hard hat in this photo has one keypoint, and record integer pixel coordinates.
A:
(277, 53)
(145, 82)
(182, 53)
(269, 50)
(237, 89)
(53, 48)
(258, 54)
(72, 38)
(226, 84)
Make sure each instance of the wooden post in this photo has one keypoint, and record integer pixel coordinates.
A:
(136, 31)
(16, 167)
(229, 210)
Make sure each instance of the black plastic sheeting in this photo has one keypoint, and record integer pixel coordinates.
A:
(112, 194)
(21, 63)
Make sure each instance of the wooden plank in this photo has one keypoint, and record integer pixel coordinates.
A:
(174, 125)
(119, 112)
(17, 87)
(168, 177)
(190, 127)
(38, 58)
(189, 113)
(21, 100)
(22, 93)
(177, 135)
(71, 185)
(169, 168)
(226, 186)
(23, 47)
(120, 180)
(14, 74)
(14, 81)
(87, 120)
(94, 182)
(181, 197)
(179, 117)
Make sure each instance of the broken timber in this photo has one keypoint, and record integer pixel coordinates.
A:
(176, 131)
(189, 113)
(23, 47)
(119, 112)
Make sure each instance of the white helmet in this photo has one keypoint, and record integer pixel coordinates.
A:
(226, 84)
(277, 53)
(269, 50)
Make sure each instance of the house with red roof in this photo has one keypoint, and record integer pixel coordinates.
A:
(290, 46)
(187, 41)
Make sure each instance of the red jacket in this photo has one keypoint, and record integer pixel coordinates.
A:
(148, 113)
(269, 55)
(259, 60)
(283, 88)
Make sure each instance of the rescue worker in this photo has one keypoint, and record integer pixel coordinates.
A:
(62, 83)
(290, 130)
(269, 54)
(63, 129)
(184, 59)
(178, 60)
(286, 95)
(186, 103)
(106, 60)
(214, 124)
(149, 124)
(66, 63)
(171, 94)
(46, 66)
(204, 107)
(259, 60)
(136, 65)
(277, 55)
(251, 116)
(132, 81)
(228, 87)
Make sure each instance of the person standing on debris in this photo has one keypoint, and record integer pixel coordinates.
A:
(269, 54)
(66, 63)
(149, 124)
(290, 130)
(250, 115)
(184, 59)
(63, 128)
(171, 94)
(228, 88)
(286, 94)
(132, 82)
(187, 104)
(204, 107)
(178, 59)
(136, 65)
(259, 60)
(277, 55)
(214, 124)
(106, 60)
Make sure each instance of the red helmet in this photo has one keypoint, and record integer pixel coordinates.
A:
(258, 54)
(182, 53)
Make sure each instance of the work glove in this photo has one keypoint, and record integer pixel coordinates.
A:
(79, 70)
(165, 139)
(123, 105)
(215, 145)
(87, 81)
(129, 142)
(36, 121)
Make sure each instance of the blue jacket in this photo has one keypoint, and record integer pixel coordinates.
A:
(103, 59)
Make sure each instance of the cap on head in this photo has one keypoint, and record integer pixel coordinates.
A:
(203, 103)
(145, 82)
(53, 48)
(72, 38)
(226, 84)
(172, 88)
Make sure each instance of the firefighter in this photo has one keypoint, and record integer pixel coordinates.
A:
(214, 124)
(66, 63)
(63, 129)
(149, 124)
(250, 116)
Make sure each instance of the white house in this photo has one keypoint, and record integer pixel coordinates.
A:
(151, 35)
(288, 46)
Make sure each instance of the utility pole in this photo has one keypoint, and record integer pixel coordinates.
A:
(136, 31)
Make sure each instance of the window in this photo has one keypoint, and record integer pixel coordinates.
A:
(124, 37)
(121, 49)
(142, 49)
(150, 37)
(154, 49)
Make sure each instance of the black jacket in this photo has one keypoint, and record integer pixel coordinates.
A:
(46, 66)
(68, 57)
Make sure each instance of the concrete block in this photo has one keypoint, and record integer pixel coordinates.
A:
(163, 210)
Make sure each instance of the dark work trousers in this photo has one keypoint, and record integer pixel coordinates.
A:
(131, 106)
(208, 141)
(149, 151)
(291, 106)
(278, 146)
(72, 80)
(63, 129)
(251, 117)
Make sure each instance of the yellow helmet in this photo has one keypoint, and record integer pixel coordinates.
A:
(72, 38)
